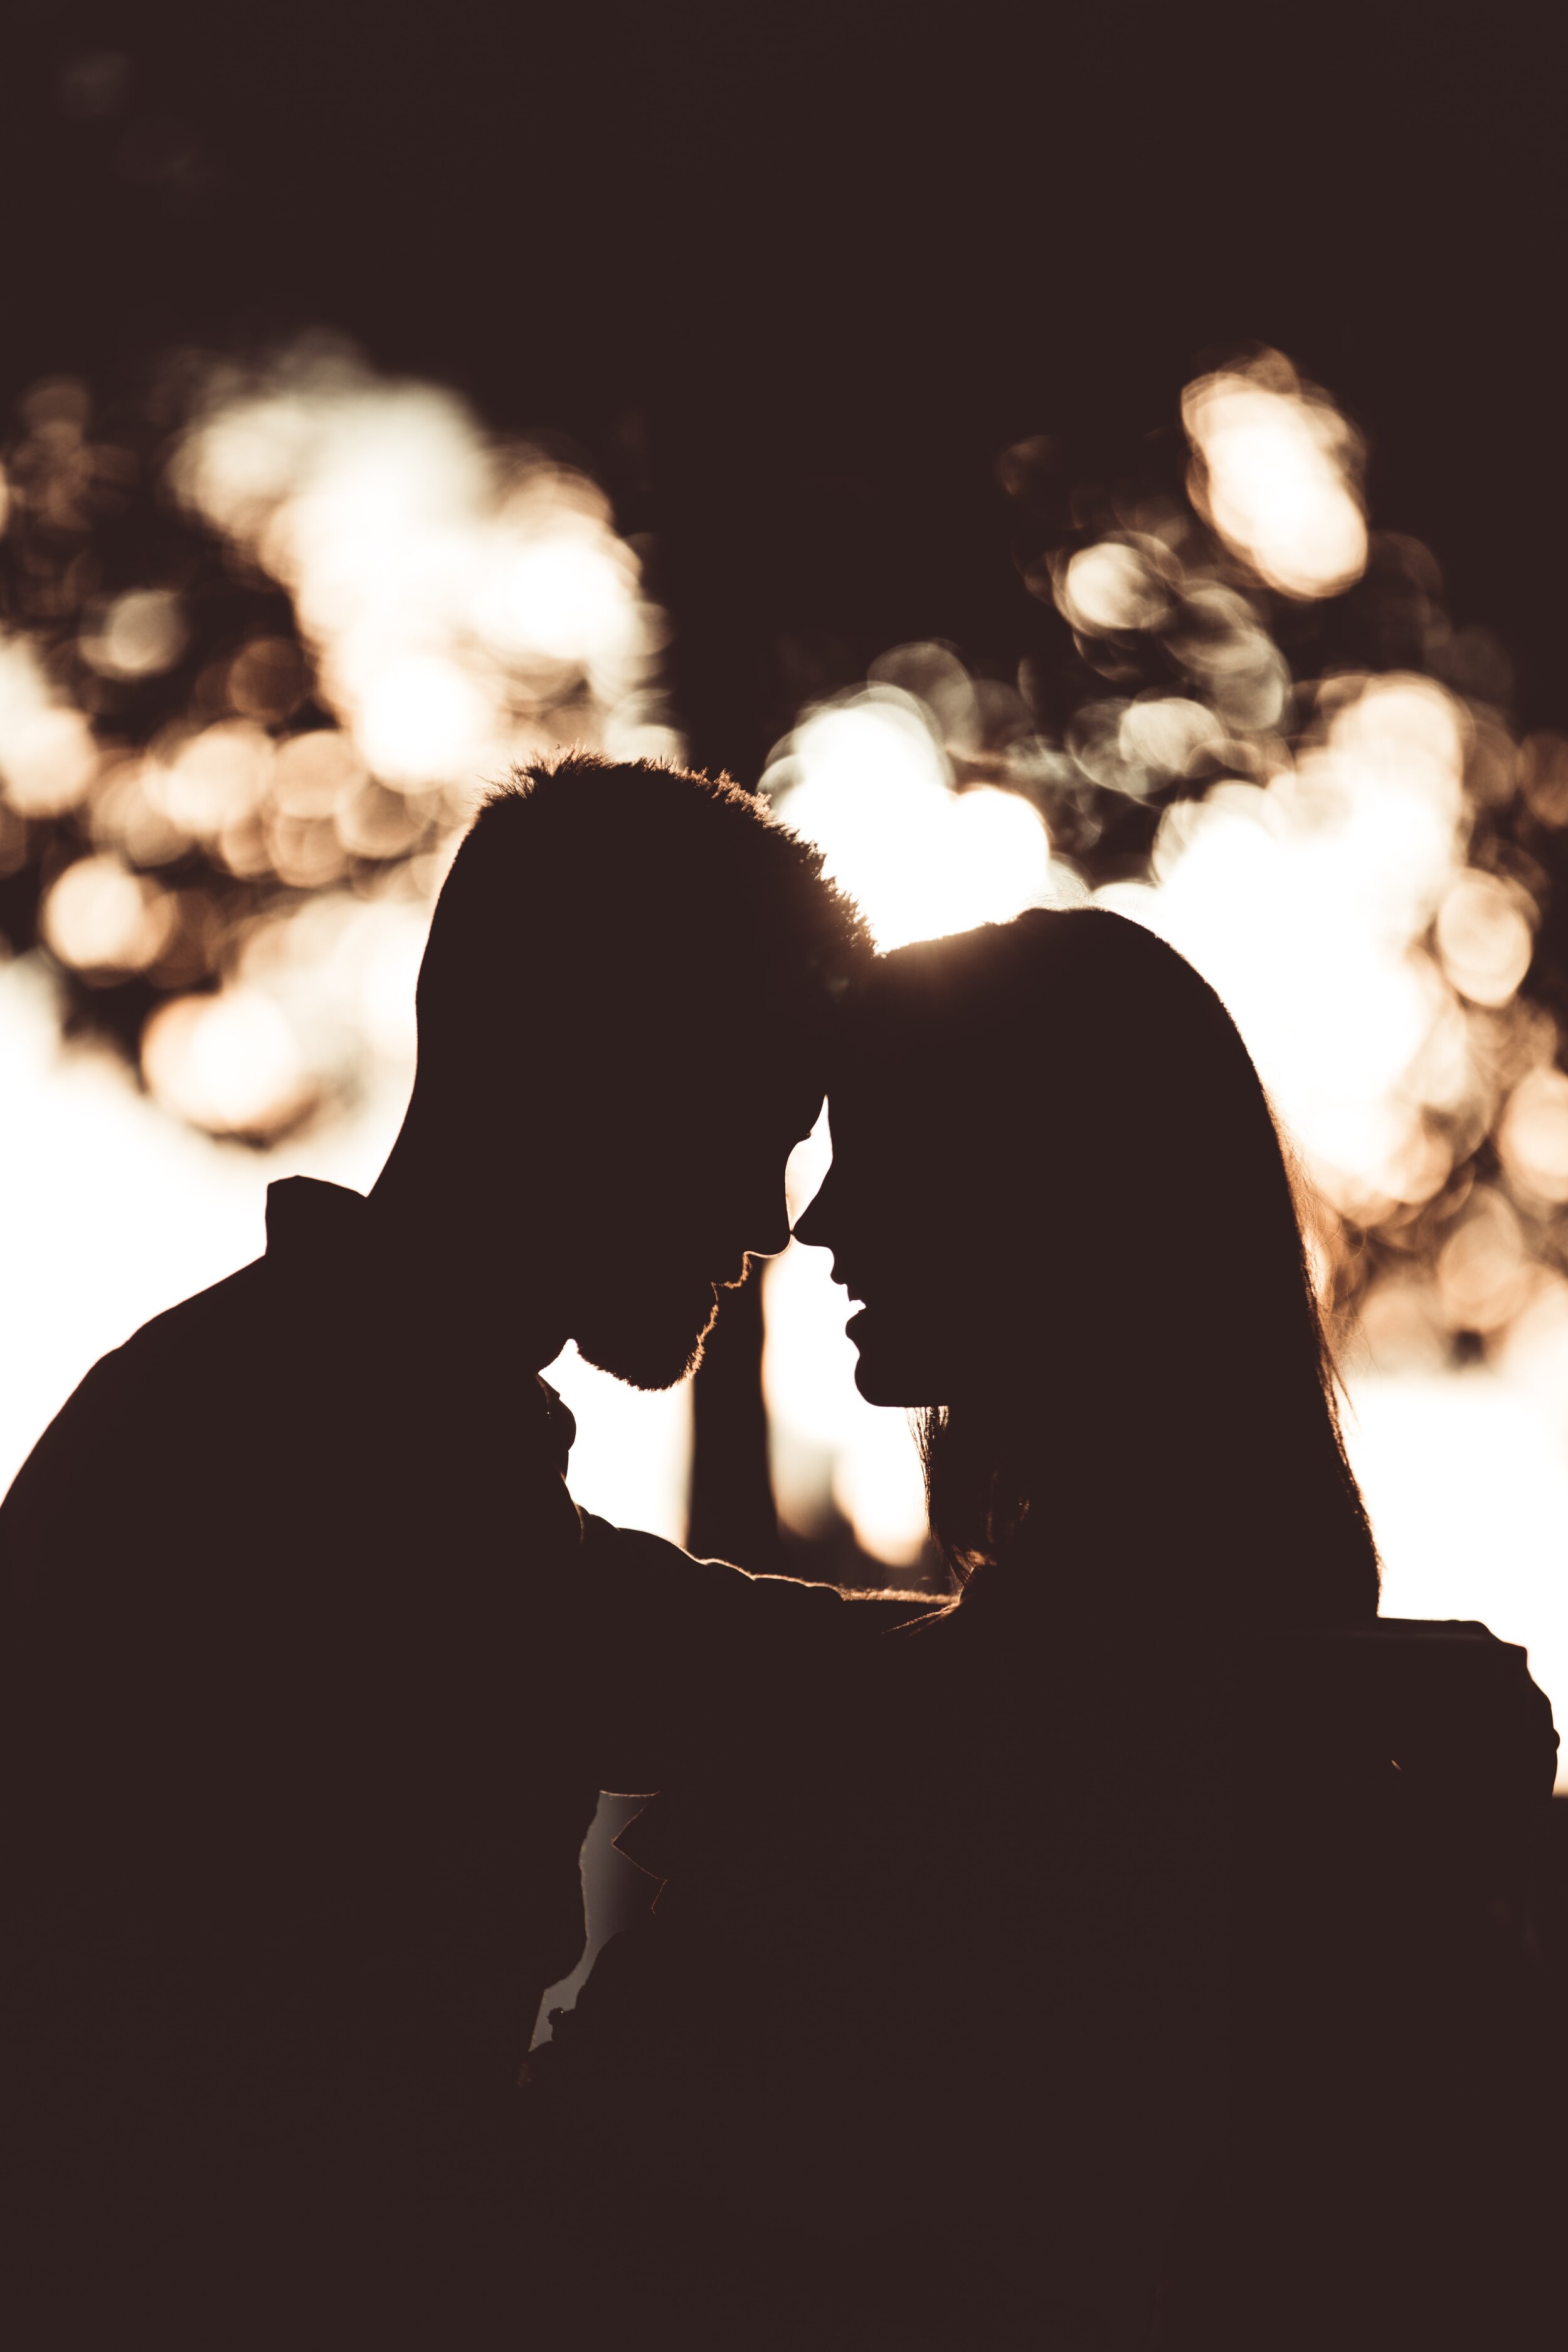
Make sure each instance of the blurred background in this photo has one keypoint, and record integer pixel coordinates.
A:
(1092, 460)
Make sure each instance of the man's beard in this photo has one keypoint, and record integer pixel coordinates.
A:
(649, 1333)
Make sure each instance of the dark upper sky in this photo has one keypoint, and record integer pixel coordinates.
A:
(794, 278)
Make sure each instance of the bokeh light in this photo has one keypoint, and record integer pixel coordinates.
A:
(47, 752)
(868, 780)
(226, 1063)
(1274, 471)
(241, 797)
(1339, 855)
(137, 635)
(1533, 1137)
(428, 604)
(1484, 937)
(1114, 586)
(871, 780)
(1304, 899)
(238, 775)
(101, 917)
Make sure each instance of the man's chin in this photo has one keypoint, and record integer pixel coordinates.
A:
(888, 1373)
(654, 1349)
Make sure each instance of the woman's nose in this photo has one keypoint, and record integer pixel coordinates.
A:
(815, 1224)
(771, 1227)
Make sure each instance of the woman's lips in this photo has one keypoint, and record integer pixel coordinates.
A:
(855, 1321)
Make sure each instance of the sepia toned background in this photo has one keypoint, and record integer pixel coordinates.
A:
(1104, 464)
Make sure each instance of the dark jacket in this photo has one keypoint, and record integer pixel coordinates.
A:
(1071, 1985)
(312, 1672)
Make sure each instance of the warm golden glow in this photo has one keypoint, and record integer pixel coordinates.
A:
(1543, 776)
(1465, 1478)
(1483, 1268)
(1166, 734)
(1532, 1140)
(1274, 472)
(1305, 901)
(101, 917)
(830, 1448)
(137, 635)
(210, 781)
(48, 757)
(1333, 852)
(868, 780)
(1485, 937)
(452, 591)
(227, 1063)
(1115, 586)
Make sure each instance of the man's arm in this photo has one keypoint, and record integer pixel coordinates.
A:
(681, 1650)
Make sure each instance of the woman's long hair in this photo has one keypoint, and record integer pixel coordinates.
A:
(1153, 1421)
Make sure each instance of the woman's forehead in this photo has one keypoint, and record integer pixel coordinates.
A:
(872, 1099)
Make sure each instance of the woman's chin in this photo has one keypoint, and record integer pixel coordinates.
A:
(884, 1375)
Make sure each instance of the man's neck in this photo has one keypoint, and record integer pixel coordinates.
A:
(467, 1267)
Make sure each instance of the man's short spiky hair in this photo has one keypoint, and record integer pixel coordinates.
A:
(593, 877)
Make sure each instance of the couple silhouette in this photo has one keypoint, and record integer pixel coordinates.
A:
(1130, 1949)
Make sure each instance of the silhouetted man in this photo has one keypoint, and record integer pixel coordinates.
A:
(313, 1670)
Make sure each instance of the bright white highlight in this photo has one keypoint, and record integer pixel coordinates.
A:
(568, 592)
(226, 1063)
(214, 781)
(101, 917)
(1112, 586)
(1304, 902)
(869, 782)
(1274, 477)
(1485, 937)
(421, 720)
(632, 1455)
(456, 596)
(1467, 1481)
(464, 603)
(450, 588)
(829, 1446)
(48, 757)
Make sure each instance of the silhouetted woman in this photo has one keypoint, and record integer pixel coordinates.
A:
(948, 1974)
(1059, 1193)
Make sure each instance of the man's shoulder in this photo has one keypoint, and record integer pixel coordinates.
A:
(234, 1301)
(131, 1384)
(189, 1337)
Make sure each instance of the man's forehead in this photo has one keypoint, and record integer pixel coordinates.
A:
(792, 1093)
(778, 1088)
(871, 1089)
